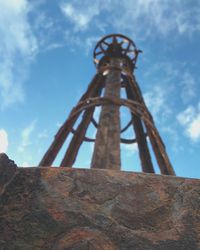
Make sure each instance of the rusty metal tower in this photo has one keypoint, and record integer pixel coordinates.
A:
(115, 58)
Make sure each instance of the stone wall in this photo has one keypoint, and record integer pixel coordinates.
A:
(60, 208)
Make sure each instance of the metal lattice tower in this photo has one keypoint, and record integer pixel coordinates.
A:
(115, 58)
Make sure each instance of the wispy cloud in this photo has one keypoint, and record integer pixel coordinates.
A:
(81, 18)
(168, 79)
(156, 100)
(3, 141)
(144, 19)
(25, 136)
(189, 119)
(172, 135)
(130, 149)
(18, 46)
(140, 16)
(75, 40)
(43, 134)
(188, 86)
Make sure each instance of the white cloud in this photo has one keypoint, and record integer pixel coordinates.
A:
(178, 77)
(17, 48)
(43, 134)
(3, 141)
(156, 101)
(194, 129)
(186, 116)
(81, 21)
(171, 133)
(25, 135)
(82, 17)
(140, 16)
(144, 19)
(86, 44)
(130, 149)
(190, 120)
(90, 42)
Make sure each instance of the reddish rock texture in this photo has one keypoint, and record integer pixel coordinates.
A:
(60, 208)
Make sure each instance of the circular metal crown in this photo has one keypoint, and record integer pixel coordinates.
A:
(115, 45)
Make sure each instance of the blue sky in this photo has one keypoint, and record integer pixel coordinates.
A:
(46, 64)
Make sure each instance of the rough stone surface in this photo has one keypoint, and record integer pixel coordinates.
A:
(59, 208)
(7, 170)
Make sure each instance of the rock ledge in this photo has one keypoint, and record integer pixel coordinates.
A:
(60, 208)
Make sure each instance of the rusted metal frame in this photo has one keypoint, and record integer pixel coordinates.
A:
(134, 85)
(98, 53)
(127, 126)
(94, 122)
(127, 141)
(131, 47)
(103, 40)
(136, 108)
(86, 139)
(65, 129)
(161, 156)
(127, 48)
(155, 139)
(134, 60)
(123, 85)
(124, 81)
(107, 145)
(106, 43)
(121, 131)
(102, 49)
(109, 67)
(72, 150)
(145, 157)
(157, 143)
(77, 140)
(122, 140)
(123, 69)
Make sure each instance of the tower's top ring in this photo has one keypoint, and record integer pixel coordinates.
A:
(115, 45)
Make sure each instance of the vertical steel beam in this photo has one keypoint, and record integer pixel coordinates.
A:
(160, 153)
(145, 157)
(107, 145)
